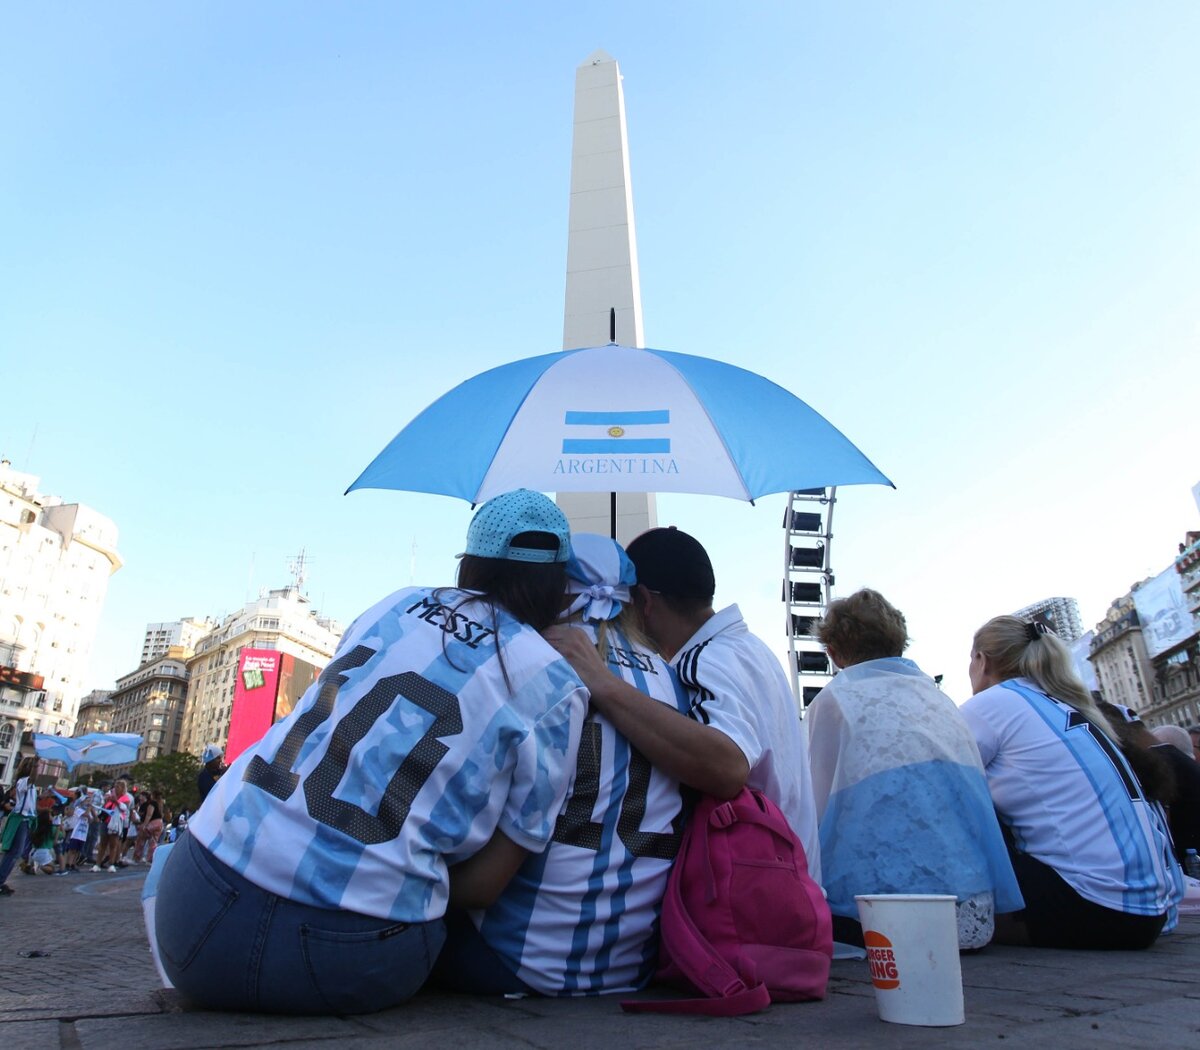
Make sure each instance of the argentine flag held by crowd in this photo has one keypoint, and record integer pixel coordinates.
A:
(98, 749)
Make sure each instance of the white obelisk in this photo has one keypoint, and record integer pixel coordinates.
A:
(602, 265)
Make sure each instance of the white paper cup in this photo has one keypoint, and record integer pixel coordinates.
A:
(912, 949)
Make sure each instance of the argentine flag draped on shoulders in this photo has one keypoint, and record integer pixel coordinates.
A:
(901, 794)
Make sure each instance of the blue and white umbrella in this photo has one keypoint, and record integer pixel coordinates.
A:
(100, 749)
(618, 419)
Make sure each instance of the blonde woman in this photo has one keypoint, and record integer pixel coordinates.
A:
(1090, 852)
(117, 806)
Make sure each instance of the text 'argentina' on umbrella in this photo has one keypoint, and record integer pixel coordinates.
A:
(618, 419)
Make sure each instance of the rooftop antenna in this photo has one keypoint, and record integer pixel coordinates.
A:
(612, 324)
(298, 567)
(32, 442)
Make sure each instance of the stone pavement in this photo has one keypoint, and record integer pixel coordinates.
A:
(75, 972)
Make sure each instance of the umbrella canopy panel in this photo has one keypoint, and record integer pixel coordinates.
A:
(618, 419)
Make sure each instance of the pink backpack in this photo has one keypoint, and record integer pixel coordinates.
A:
(742, 921)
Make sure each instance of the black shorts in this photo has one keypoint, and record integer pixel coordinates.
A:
(1056, 916)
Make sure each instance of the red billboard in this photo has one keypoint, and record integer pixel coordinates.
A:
(269, 685)
(253, 699)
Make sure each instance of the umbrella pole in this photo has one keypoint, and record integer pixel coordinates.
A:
(612, 496)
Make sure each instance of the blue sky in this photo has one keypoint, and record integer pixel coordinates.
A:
(241, 245)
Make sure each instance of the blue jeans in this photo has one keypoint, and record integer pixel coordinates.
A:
(93, 837)
(229, 945)
(15, 852)
(468, 963)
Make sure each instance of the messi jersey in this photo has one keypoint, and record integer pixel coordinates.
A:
(1070, 799)
(582, 917)
(404, 757)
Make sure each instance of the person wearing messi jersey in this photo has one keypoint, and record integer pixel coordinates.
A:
(1091, 853)
(429, 759)
(742, 727)
(581, 917)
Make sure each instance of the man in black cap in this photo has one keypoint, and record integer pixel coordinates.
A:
(743, 726)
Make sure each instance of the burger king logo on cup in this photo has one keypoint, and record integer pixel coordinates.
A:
(882, 960)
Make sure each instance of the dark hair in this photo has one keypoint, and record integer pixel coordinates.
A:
(27, 768)
(1152, 770)
(864, 626)
(43, 829)
(675, 565)
(531, 592)
(687, 607)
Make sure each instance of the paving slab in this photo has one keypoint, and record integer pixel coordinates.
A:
(30, 1035)
(76, 974)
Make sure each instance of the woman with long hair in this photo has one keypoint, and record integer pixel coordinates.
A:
(20, 804)
(430, 757)
(1089, 849)
(150, 828)
(116, 816)
(41, 858)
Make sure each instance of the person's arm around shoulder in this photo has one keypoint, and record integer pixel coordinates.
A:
(480, 879)
(692, 753)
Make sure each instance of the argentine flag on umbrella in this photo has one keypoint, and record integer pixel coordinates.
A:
(618, 419)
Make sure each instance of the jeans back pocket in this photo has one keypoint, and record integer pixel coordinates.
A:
(363, 971)
(192, 900)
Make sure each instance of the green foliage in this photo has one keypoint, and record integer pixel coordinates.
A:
(175, 774)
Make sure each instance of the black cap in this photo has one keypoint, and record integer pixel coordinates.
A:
(673, 563)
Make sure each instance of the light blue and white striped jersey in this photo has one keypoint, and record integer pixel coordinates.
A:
(1070, 799)
(404, 757)
(582, 918)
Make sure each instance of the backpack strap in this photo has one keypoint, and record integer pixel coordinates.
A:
(747, 1001)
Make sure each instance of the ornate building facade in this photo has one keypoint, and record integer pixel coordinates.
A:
(55, 562)
(150, 701)
(283, 620)
(1118, 652)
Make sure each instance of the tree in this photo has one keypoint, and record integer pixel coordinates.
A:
(175, 775)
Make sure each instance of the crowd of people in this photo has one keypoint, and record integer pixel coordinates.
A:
(97, 829)
(487, 785)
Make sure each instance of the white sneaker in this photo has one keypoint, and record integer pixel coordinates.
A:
(96, 867)
(112, 868)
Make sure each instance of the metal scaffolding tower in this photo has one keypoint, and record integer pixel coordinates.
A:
(807, 587)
